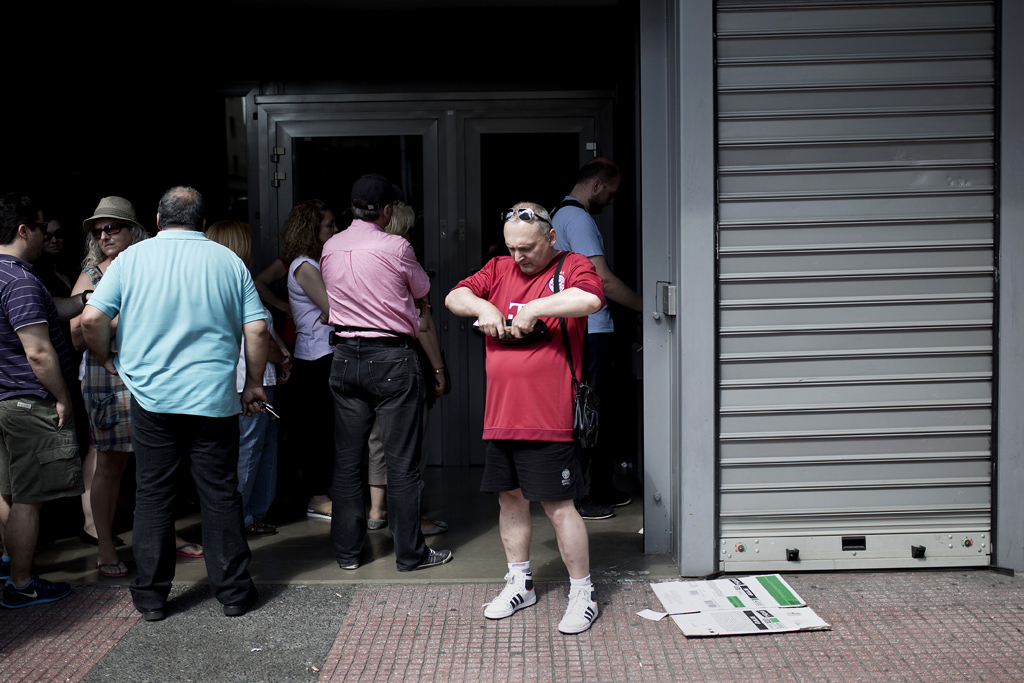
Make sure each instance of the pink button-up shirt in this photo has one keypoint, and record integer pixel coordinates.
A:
(373, 280)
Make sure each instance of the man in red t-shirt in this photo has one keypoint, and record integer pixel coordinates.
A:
(528, 438)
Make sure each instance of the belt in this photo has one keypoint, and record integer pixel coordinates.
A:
(401, 342)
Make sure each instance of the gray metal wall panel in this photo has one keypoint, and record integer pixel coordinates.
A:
(1009, 551)
(856, 207)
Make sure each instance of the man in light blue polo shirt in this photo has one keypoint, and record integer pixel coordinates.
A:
(182, 305)
(575, 230)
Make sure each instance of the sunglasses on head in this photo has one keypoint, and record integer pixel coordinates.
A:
(111, 229)
(526, 215)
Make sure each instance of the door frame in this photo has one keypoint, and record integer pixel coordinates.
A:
(446, 121)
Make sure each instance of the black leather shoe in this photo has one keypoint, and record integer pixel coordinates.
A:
(241, 608)
(157, 614)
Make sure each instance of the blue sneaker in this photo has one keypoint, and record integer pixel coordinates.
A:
(36, 592)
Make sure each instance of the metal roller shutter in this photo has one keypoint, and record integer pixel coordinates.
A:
(856, 276)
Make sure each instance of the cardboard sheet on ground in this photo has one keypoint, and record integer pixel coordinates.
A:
(735, 622)
(747, 592)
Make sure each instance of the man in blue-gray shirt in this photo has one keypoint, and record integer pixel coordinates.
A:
(38, 449)
(575, 230)
(183, 304)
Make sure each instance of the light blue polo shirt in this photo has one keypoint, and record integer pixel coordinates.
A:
(575, 230)
(182, 300)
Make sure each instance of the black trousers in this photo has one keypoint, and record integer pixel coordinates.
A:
(162, 442)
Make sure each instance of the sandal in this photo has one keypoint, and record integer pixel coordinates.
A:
(112, 570)
(195, 556)
(321, 511)
(373, 523)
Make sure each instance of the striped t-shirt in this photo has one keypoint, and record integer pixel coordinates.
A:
(24, 301)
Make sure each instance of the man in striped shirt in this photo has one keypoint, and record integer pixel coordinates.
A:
(38, 449)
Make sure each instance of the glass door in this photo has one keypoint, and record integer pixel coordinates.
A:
(460, 163)
(506, 160)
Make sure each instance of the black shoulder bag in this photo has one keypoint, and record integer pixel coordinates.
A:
(586, 403)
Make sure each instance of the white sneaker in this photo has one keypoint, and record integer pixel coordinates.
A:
(581, 612)
(517, 594)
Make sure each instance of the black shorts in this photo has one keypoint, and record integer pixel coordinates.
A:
(544, 470)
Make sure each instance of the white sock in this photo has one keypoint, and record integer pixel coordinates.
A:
(521, 567)
(585, 581)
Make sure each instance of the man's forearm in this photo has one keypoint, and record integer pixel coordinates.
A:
(429, 342)
(464, 303)
(570, 303)
(257, 347)
(46, 367)
(621, 293)
(96, 331)
(68, 307)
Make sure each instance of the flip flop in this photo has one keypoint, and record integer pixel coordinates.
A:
(181, 547)
(372, 523)
(321, 511)
(112, 570)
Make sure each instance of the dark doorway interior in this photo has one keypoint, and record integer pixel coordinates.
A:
(515, 167)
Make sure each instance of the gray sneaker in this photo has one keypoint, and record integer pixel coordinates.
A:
(435, 558)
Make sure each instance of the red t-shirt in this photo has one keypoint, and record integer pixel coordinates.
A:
(529, 390)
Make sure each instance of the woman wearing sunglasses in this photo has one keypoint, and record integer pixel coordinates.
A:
(110, 230)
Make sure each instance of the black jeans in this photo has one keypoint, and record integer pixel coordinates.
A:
(383, 382)
(598, 462)
(312, 420)
(162, 441)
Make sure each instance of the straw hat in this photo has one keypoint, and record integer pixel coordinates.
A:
(113, 207)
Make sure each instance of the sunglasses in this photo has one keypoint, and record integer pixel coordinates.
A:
(525, 215)
(53, 236)
(111, 229)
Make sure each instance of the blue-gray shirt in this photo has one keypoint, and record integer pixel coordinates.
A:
(575, 230)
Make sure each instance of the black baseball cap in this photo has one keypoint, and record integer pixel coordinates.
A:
(373, 192)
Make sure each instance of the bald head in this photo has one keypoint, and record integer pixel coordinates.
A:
(541, 221)
(182, 208)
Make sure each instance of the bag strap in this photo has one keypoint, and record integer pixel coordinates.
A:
(570, 201)
(562, 324)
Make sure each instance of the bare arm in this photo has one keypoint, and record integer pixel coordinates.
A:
(69, 307)
(269, 275)
(284, 366)
(312, 283)
(257, 344)
(432, 347)
(570, 303)
(45, 364)
(83, 283)
(465, 304)
(96, 331)
(614, 288)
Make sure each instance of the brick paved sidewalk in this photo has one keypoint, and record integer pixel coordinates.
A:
(909, 626)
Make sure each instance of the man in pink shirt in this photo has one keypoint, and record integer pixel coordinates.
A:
(374, 285)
